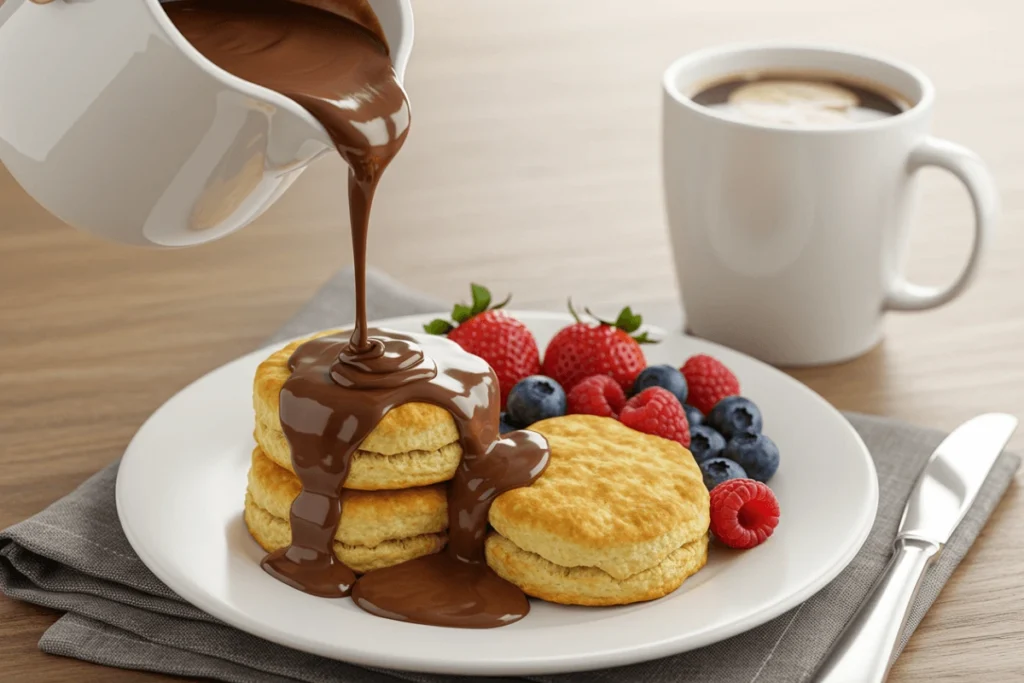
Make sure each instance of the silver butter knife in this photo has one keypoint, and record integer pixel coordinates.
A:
(940, 499)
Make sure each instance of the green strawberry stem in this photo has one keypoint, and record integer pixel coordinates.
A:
(575, 315)
(628, 321)
(461, 313)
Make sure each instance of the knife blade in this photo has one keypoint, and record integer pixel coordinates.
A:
(944, 492)
(953, 476)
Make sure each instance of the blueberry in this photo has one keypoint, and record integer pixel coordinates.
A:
(705, 443)
(664, 376)
(693, 416)
(717, 470)
(735, 414)
(533, 399)
(503, 426)
(756, 453)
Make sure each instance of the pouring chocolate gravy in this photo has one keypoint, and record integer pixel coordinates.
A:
(340, 389)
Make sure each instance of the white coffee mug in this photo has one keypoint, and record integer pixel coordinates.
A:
(790, 240)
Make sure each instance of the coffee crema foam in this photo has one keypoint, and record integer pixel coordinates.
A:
(795, 100)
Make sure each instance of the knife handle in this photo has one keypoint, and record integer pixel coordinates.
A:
(863, 652)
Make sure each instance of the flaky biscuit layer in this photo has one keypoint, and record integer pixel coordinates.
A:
(589, 585)
(611, 498)
(273, 533)
(368, 517)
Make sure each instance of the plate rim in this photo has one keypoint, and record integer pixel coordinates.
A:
(535, 665)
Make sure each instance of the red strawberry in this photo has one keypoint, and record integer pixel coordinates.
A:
(657, 411)
(501, 340)
(606, 348)
(709, 382)
(744, 513)
(597, 395)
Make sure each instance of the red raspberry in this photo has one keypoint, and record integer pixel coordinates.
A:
(657, 411)
(744, 513)
(709, 382)
(596, 395)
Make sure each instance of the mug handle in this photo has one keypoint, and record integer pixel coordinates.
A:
(965, 165)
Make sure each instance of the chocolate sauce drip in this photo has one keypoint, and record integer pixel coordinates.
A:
(325, 422)
(340, 389)
(457, 588)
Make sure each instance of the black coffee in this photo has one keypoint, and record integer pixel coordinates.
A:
(798, 100)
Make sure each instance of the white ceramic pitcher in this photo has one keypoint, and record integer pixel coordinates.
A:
(114, 123)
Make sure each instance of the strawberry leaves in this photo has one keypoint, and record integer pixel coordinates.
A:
(630, 322)
(462, 313)
(438, 326)
(627, 321)
(644, 338)
(481, 298)
(502, 304)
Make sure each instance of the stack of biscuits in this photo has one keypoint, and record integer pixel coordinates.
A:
(394, 506)
(617, 517)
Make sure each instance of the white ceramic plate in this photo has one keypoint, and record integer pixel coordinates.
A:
(182, 482)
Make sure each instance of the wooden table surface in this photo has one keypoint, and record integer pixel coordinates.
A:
(533, 166)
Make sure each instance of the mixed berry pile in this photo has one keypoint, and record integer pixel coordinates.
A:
(597, 367)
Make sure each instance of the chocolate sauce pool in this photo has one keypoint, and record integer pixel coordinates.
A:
(340, 389)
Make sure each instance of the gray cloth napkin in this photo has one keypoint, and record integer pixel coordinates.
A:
(74, 557)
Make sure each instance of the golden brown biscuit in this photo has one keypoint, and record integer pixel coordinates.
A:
(416, 444)
(589, 585)
(611, 498)
(273, 533)
(368, 518)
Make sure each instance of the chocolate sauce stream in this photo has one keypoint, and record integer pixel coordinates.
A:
(360, 199)
(337, 70)
(340, 389)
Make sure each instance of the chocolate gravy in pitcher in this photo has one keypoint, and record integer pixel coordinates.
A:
(341, 387)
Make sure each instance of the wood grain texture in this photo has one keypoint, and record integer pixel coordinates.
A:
(533, 166)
